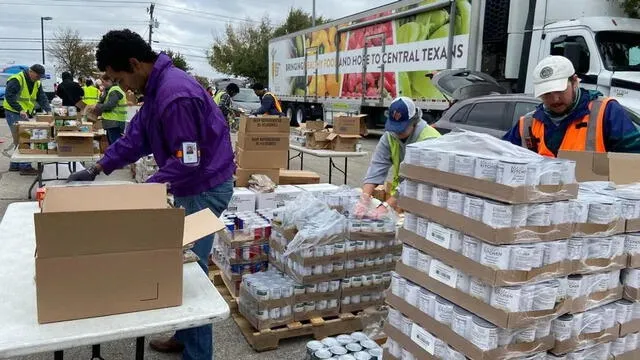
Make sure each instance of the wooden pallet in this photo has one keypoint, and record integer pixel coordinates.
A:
(227, 295)
(319, 328)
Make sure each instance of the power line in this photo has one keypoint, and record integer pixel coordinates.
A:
(203, 14)
(12, 49)
(67, 5)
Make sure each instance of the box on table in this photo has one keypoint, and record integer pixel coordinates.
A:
(243, 175)
(262, 159)
(133, 264)
(615, 167)
(350, 125)
(264, 124)
(260, 141)
(277, 198)
(75, 143)
(341, 142)
(314, 125)
(48, 118)
(318, 140)
(318, 189)
(242, 199)
(298, 177)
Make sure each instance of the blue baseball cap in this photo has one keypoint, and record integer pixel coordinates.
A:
(401, 111)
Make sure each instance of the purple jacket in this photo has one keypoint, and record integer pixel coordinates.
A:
(176, 110)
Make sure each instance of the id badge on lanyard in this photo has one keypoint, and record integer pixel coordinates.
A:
(190, 154)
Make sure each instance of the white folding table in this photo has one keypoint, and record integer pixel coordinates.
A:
(53, 159)
(20, 333)
(325, 154)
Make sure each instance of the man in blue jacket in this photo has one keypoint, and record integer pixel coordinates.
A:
(572, 118)
(189, 138)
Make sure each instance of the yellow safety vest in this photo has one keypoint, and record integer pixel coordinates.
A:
(119, 113)
(27, 101)
(91, 95)
(276, 102)
(218, 97)
(395, 147)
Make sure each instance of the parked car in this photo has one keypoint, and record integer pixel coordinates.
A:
(246, 100)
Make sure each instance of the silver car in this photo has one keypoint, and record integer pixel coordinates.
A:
(246, 101)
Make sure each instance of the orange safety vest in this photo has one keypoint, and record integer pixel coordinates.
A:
(276, 102)
(583, 135)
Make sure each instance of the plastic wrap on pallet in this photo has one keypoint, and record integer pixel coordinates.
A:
(266, 299)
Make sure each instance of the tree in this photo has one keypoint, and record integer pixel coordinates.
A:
(631, 8)
(72, 53)
(297, 20)
(202, 81)
(178, 60)
(243, 51)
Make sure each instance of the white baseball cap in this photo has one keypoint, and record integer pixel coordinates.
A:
(551, 74)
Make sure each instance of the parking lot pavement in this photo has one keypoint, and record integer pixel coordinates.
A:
(229, 342)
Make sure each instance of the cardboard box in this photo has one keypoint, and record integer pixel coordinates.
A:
(633, 261)
(630, 355)
(343, 142)
(360, 306)
(243, 175)
(307, 315)
(319, 189)
(318, 140)
(496, 316)
(589, 266)
(485, 273)
(133, 264)
(262, 159)
(371, 269)
(317, 296)
(265, 200)
(281, 195)
(275, 141)
(298, 177)
(314, 125)
(615, 167)
(350, 125)
(461, 344)
(595, 300)
(264, 124)
(632, 294)
(629, 327)
(582, 340)
(483, 231)
(44, 118)
(75, 143)
(242, 199)
(488, 189)
(406, 343)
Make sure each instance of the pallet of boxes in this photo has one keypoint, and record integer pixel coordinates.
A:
(502, 257)
(262, 147)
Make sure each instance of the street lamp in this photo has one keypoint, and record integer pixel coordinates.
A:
(42, 19)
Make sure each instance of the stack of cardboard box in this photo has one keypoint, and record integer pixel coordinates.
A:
(262, 147)
(346, 132)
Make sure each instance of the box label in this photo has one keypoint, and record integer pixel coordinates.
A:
(443, 273)
(423, 338)
(439, 235)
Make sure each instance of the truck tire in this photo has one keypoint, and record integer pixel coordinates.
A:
(299, 115)
(291, 110)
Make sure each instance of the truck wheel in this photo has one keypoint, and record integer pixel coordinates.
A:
(300, 116)
(290, 111)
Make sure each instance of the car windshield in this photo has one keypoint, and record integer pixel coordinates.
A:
(620, 51)
(246, 95)
(3, 79)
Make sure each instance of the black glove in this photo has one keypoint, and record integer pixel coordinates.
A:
(88, 174)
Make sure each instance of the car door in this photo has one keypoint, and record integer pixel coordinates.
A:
(489, 117)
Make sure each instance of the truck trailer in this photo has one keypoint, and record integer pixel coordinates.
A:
(359, 63)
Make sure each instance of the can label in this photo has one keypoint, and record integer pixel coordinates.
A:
(480, 290)
(439, 197)
(455, 202)
(523, 257)
(444, 273)
(551, 172)
(445, 161)
(560, 213)
(506, 298)
(555, 252)
(519, 215)
(464, 165)
(427, 302)
(545, 296)
(497, 215)
(484, 335)
(495, 256)
(562, 327)
(425, 192)
(473, 208)
(539, 215)
(410, 256)
(533, 174)
(444, 312)
(422, 226)
(461, 322)
(601, 213)
(423, 262)
(512, 174)
(486, 169)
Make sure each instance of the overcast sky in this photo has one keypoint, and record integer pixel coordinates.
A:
(187, 26)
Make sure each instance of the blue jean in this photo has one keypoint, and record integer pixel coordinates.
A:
(198, 342)
(113, 134)
(12, 119)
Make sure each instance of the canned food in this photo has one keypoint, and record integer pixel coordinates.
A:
(445, 161)
(461, 322)
(546, 294)
(562, 327)
(497, 215)
(539, 214)
(313, 346)
(495, 256)
(439, 197)
(471, 248)
(353, 347)
(506, 298)
(519, 215)
(427, 302)
(424, 193)
(484, 335)
(511, 173)
(443, 311)
(486, 169)
(480, 290)
(455, 202)
(473, 207)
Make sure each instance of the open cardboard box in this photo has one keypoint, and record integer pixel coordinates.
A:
(615, 167)
(243, 175)
(86, 269)
(482, 231)
(461, 344)
(485, 273)
(499, 317)
(488, 189)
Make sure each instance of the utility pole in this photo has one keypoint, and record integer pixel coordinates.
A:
(151, 21)
(313, 14)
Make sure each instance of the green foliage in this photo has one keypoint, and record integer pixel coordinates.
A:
(631, 8)
(178, 60)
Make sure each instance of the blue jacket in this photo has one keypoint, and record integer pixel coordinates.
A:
(620, 133)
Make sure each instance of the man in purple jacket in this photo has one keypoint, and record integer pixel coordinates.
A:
(188, 136)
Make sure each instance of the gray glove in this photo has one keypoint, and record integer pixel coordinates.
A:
(88, 174)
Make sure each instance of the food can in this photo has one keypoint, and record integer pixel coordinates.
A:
(543, 329)
(422, 225)
(323, 286)
(579, 211)
(526, 335)
(495, 256)
(394, 318)
(631, 278)
(353, 347)
(338, 248)
(446, 161)
(609, 317)
(539, 214)
(617, 245)
(562, 327)
(263, 315)
(370, 244)
(359, 263)
(461, 322)
(603, 212)
(351, 245)
(312, 288)
(361, 245)
(318, 251)
(485, 169)
(338, 266)
(332, 304)
(511, 173)
(568, 173)
(365, 298)
(274, 313)
(370, 262)
(424, 193)
(443, 311)
(350, 264)
(519, 215)
(631, 342)
(298, 308)
(471, 248)
(313, 346)
(389, 258)
(379, 261)
(406, 355)
(377, 279)
(394, 348)
(523, 257)
(367, 280)
(356, 281)
(463, 282)
(453, 354)
(480, 290)
(618, 346)
(473, 207)
(455, 202)
(410, 189)
(439, 197)
(577, 249)
(464, 165)
(285, 311)
(321, 305)
(527, 296)
(346, 283)
(360, 336)
(624, 311)
(427, 302)
(598, 248)
(410, 256)
(346, 300)
(506, 298)
(555, 252)
(322, 354)
(309, 306)
(376, 354)
(484, 335)
(317, 270)
(497, 215)
(551, 172)
(560, 213)
(423, 262)
(574, 286)
(338, 350)
(592, 321)
(546, 294)
(405, 326)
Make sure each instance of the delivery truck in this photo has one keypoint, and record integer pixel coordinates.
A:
(359, 63)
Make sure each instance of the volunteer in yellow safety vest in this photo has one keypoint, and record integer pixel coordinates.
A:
(269, 103)
(113, 108)
(91, 93)
(404, 126)
(224, 98)
(23, 90)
